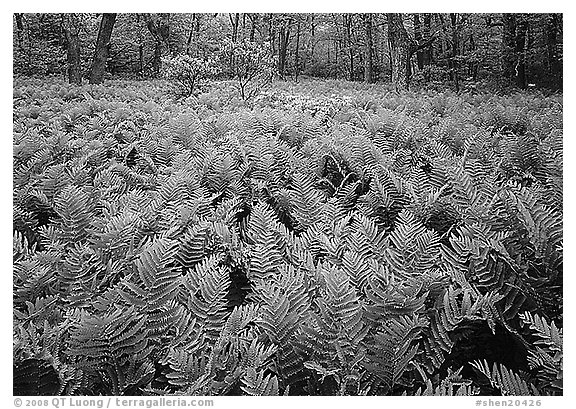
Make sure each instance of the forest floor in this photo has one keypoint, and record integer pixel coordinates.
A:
(326, 237)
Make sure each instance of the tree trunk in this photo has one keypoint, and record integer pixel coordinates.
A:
(283, 40)
(455, 50)
(141, 60)
(140, 48)
(400, 51)
(348, 24)
(312, 41)
(418, 37)
(19, 27)
(191, 35)
(473, 64)
(553, 28)
(368, 59)
(159, 27)
(427, 56)
(194, 34)
(336, 54)
(521, 48)
(234, 22)
(272, 33)
(296, 59)
(102, 48)
(508, 45)
(71, 27)
(254, 19)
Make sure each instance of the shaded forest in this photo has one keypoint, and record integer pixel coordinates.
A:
(455, 49)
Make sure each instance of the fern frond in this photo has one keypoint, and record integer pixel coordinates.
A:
(35, 377)
(507, 381)
(306, 201)
(208, 286)
(392, 349)
(75, 209)
(255, 383)
(156, 270)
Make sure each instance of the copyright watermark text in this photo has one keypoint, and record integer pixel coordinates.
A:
(110, 402)
(508, 402)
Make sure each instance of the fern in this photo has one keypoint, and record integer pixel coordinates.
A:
(74, 206)
(365, 243)
(507, 381)
(207, 287)
(35, 377)
(114, 347)
(257, 384)
(392, 349)
(547, 356)
(413, 250)
(452, 385)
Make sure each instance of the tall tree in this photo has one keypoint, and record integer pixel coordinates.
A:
(311, 20)
(427, 55)
(401, 47)
(71, 26)
(368, 54)
(418, 35)
(102, 48)
(254, 22)
(521, 49)
(508, 45)
(19, 27)
(283, 41)
(194, 32)
(296, 51)
(514, 47)
(348, 23)
(234, 22)
(453, 62)
(271, 20)
(159, 27)
(554, 23)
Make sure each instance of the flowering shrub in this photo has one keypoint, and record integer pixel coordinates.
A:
(188, 74)
(250, 64)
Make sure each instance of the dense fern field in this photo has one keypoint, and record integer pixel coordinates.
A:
(327, 238)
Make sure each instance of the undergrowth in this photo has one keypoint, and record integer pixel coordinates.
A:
(327, 238)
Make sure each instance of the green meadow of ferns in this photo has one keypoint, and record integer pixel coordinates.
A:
(368, 243)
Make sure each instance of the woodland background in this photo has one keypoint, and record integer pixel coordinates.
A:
(452, 48)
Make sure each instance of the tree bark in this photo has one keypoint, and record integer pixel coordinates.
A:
(296, 58)
(553, 27)
(140, 48)
(283, 40)
(159, 27)
(508, 45)
(349, 43)
(254, 20)
(272, 32)
(418, 37)
(400, 51)
(71, 27)
(19, 27)
(521, 48)
(473, 64)
(102, 48)
(368, 59)
(191, 34)
(234, 20)
(312, 42)
(427, 55)
(454, 66)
